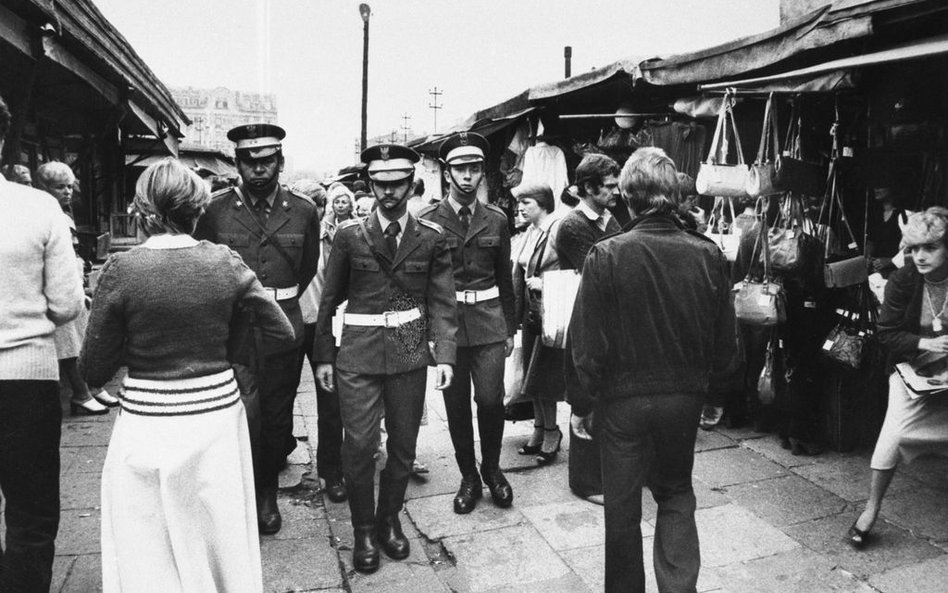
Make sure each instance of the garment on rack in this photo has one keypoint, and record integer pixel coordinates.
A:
(683, 142)
(545, 163)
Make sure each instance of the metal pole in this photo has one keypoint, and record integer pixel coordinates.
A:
(568, 58)
(365, 80)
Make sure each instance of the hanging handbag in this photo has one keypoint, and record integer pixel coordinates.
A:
(791, 171)
(761, 177)
(725, 235)
(848, 342)
(715, 176)
(760, 303)
(766, 383)
(793, 242)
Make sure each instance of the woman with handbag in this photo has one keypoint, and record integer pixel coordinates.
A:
(914, 321)
(178, 508)
(543, 378)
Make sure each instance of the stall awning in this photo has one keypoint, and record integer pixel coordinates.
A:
(196, 159)
(915, 50)
(627, 68)
(143, 123)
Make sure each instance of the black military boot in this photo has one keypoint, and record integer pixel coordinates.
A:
(490, 422)
(500, 490)
(269, 520)
(388, 527)
(365, 551)
(468, 494)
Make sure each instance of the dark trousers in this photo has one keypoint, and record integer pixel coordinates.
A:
(362, 400)
(328, 417)
(30, 418)
(649, 440)
(268, 397)
(484, 366)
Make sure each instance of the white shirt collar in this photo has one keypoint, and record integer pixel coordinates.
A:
(457, 205)
(168, 241)
(384, 222)
(588, 211)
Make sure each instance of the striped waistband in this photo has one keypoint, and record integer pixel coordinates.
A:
(180, 397)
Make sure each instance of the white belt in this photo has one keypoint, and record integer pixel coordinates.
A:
(470, 297)
(282, 294)
(387, 319)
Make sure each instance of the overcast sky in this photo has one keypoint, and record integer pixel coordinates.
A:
(479, 52)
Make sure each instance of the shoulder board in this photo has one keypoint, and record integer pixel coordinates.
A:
(300, 195)
(432, 225)
(427, 209)
(349, 223)
(497, 209)
(221, 192)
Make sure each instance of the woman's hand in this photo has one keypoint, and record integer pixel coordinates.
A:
(936, 344)
(535, 283)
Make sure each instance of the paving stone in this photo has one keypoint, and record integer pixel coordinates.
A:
(510, 459)
(85, 576)
(769, 447)
(931, 471)
(86, 433)
(796, 570)
(443, 477)
(87, 459)
(508, 557)
(79, 532)
(891, 546)
(923, 510)
(299, 565)
(786, 500)
(569, 583)
(291, 477)
(301, 519)
(929, 576)
(392, 575)
(568, 525)
(62, 566)
(847, 476)
(434, 517)
(731, 534)
(709, 440)
(726, 467)
(299, 456)
(739, 434)
(541, 485)
(80, 491)
(299, 428)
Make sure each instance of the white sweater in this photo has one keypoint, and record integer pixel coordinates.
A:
(40, 287)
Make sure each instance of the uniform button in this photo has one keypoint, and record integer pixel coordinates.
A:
(263, 275)
(263, 260)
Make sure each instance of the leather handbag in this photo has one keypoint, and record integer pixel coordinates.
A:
(761, 180)
(848, 270)
(760, 302)
(791, 171)
(715, 176)
(726, 236)
(848, 342)
(766, 383)
(793, 242)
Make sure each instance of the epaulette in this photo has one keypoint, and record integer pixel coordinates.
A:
(496, 209)
(301, 196)
(349, 222)
(221, 192)
(426, 210)
(432, 225)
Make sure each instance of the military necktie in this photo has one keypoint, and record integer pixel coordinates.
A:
(262, 208)
(391, 237)
(465, 215)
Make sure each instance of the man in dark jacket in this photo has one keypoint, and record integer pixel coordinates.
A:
(652, 332)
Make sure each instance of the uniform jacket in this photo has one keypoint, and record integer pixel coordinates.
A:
(653, 315)
(422, 265)
(293, 221)
(481, 260)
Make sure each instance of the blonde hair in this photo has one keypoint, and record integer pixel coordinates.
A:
(649, 181)
(925, 227)
(337, 189)
(48, 173)
(169, 198)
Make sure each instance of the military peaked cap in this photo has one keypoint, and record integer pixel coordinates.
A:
(464, 147)
(256, 141)
(389, 162)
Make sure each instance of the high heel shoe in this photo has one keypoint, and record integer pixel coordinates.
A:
(90, 407)
(529, 449)
(858, 538)
(105, 398)
(544, 457)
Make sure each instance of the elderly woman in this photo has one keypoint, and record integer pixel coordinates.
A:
(58, 180)
(914, 321)
(178, 509)
(543, 370)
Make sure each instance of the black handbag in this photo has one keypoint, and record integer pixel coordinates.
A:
(791, 171)
(848, 343)
(851, 269)
(793, 242)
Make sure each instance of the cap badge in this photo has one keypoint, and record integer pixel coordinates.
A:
(252, 130)
(463, 139)
(384, 152)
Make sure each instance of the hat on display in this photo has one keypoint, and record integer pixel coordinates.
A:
(389, 162)
(464, 147)
(257, 141)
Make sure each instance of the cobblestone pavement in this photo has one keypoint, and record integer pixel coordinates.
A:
(768, 521)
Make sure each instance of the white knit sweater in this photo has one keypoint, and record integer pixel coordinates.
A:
(40, 287)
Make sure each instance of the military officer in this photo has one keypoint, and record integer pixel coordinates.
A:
(276, 232)
(478, 237)
(395, 271)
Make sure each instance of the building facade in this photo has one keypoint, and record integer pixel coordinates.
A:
(215, 111)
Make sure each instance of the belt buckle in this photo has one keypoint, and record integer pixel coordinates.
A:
(470, 297)
(272, 291)
(390, 319)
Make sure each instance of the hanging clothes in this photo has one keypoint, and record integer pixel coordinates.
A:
(545, 163)
(683, 142)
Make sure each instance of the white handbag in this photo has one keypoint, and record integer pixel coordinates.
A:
(715, 176)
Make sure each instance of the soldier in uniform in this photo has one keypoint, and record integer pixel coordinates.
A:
(478, 237)
(395, 271)
(276, 232)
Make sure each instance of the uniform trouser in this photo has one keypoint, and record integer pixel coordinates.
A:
(484, 366)
(328, 418)
(30, 419)
(268, 398)
(649, 440)
(362, 399)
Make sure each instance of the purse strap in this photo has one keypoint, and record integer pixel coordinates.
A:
(719, 145)
(768, 134)
(762, 241)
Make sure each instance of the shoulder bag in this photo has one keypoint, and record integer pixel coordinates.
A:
(715, 176)
(761, 177)
(763, 302)
(845, 271)
(791, 171)
(793, 242)
(726, 236)
(848, 342)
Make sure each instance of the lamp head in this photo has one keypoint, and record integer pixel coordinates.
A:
(365, 12)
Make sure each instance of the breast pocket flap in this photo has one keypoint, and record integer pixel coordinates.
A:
(416, 267)
(365, 264)
(488, 241)
(235, 239)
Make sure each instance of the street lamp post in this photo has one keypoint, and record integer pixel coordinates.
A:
(365, 12)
